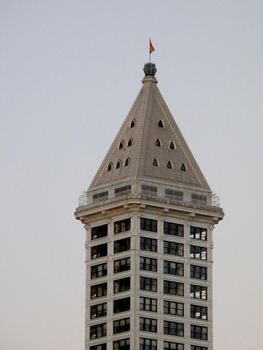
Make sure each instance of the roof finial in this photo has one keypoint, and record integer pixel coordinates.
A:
(150, 69)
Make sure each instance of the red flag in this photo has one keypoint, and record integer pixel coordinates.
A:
(151, 47)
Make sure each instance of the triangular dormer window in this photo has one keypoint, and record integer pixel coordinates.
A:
(160, 124)
(155, 162)
(183, 167)
(129, 142)
(172, 145)
(118, 165)
(132, 123)
(158, 143)
(169, 165)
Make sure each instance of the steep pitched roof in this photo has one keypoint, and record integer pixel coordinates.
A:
(149, 144)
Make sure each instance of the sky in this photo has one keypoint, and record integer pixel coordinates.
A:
(69, 73)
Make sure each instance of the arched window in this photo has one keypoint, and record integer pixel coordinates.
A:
(183, 167)
(129, 142)
(132, 123)
(109, 166)
(160, 124)
(169, 165)
(158, 143)
(118, 165)
(121, 145)
(127, 161)
(155, 162)
(172, 145)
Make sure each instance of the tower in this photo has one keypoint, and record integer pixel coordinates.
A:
(149, 216)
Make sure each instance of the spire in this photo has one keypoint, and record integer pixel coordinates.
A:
(149, 144)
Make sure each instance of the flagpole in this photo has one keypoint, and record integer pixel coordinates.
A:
(149, 50)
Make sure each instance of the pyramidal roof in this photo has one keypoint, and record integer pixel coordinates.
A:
(149, 144)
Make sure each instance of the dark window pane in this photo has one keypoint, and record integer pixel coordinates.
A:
(122, 285)
(198, 292)
(122, 265)
(99, 231)
(147, 283)
(148, 244)
(148, 225)
(173, 248)
(198, 233)
(148, 264)
(171, 228)
(122, 226)
(121, 305)
(122, 245)
(173, 288)
(99, 251)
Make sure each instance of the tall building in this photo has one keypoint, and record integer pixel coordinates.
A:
(149, 216)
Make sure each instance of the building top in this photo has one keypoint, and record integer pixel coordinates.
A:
(150, 145)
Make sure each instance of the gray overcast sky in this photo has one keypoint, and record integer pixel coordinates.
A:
(69, 72)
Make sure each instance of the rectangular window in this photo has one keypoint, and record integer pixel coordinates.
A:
(197, 347)
(98, 331)
(173, 288)
(99, 310)
(148, 324)
(148, 225)
(148, 304)
(173, 248)
(121, 305)
(170, 228)
(123, 344)
(121, 326)
(197, 252)
(100, 197)
(150, 191)
(148, 264)
(173, 328)
(199, 332)
(122, 285)
(149, 284)
(122, 265)
(122, 245)
(199, 312)
(122, 191)
(148, 344)
(174, 195)
(99, 251)
(173, 308)
(172, 346)
(99, 347)
(99, 231)
(173, 268)
(198, 292)
(199, 272)
(122, 226)
(99, 290)
(98, 271)
(149, 244)
(198, 233)
(198, 199)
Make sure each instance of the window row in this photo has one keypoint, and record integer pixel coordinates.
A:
(146, 344)
(150, 304)
(149, 244)
(149, 284)
(149, 325)
(118, 164)
(169, 228)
